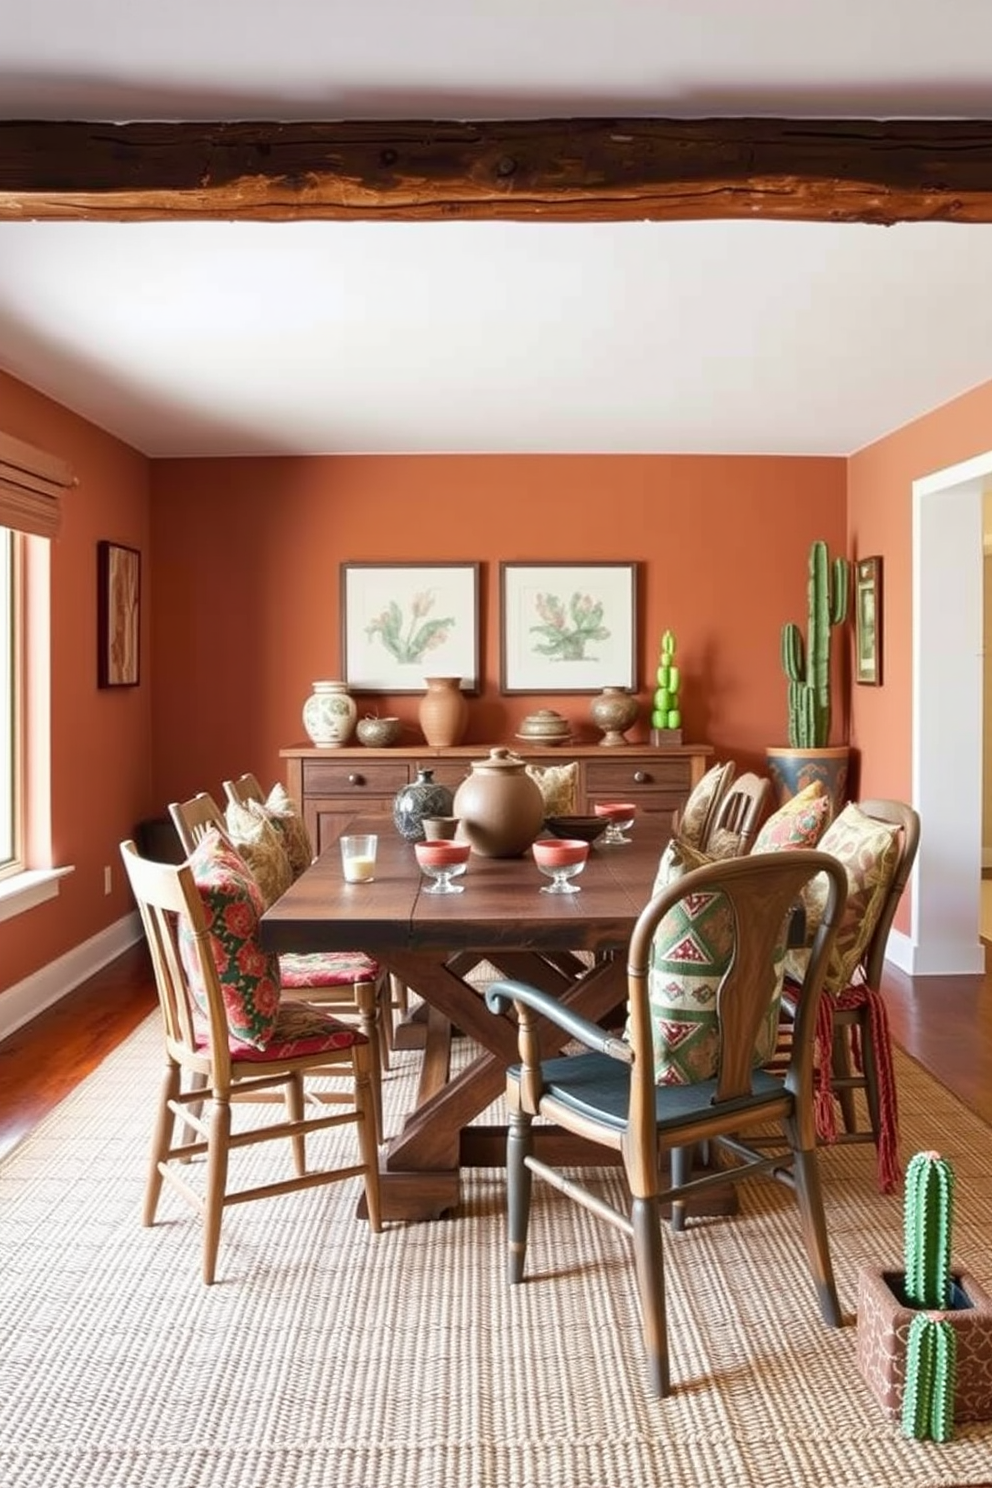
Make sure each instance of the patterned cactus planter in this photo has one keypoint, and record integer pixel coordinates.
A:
(925, 1333)
(884, 1321)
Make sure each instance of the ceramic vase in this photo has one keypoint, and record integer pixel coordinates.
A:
(501, 807)
(443, 712)
(614, 711)
(329, 715)
(424, 796)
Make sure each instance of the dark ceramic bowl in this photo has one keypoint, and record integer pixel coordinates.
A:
(585, 828)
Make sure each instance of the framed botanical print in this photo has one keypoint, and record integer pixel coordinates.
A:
(868, 621)
(402, 622)
(568, 627)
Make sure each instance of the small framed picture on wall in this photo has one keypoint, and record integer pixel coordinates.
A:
(868, 621)
(118, 571)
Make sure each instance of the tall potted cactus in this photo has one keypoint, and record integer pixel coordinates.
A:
(925, 1333)
(806, 662)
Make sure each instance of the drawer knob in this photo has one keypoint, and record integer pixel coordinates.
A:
(641, 777)
(356, 779)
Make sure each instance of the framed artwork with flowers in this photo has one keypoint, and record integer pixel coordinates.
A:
(402, 622)
(568, 627)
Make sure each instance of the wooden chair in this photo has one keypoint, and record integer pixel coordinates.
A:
(855, 1044)
(734, 823)
(702, 804)
(608, 1094)
(199, 1058)
(246, 788)
(353, 984)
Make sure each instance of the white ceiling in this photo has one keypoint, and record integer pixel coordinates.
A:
(253, 338)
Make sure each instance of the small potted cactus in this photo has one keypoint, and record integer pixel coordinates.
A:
(666, 714)
(809, 754)
(925, 1333)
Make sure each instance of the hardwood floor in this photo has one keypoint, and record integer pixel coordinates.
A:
(943, 1022)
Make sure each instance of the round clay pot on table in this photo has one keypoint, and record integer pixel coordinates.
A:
(501, 807)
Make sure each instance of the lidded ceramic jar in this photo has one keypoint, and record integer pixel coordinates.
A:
(545, 727)
(329, 715)
(424, 796)
(614, 711)
(501, 807)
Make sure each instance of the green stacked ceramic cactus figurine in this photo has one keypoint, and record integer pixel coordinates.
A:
(665, 713)
(928, 1398)
(807, 664)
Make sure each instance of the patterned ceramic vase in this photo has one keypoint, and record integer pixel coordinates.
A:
(614, 711)
(329, 715)
(422, 797)
(443, 712)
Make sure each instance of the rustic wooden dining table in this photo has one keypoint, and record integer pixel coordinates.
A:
(433, 942)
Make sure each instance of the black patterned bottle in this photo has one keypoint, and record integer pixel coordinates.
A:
(422, 797)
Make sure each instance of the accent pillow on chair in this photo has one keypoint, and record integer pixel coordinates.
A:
(559, 787)
(690, 954)
(800, 822)
(262, 845)
(248, 975)
(704, 797)
(280, 808)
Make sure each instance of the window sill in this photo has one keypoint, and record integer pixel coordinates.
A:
(22, 891)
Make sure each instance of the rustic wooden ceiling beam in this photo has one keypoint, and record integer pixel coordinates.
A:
(574, 170)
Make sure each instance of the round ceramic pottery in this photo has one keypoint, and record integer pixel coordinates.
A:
(443, 712)
(422, 797)
(378, 733)
(585, 828)
(545, 727)
(329, 715)
(501, 807)
(440, 828)
(613, 711)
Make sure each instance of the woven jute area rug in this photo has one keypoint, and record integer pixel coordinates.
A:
(328, 1357)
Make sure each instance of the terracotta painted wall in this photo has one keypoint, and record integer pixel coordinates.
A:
(101, 760)
(880, 506)
(246, 556)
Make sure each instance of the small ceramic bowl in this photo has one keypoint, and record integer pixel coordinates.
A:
(378, 733)
(585, 828)
(441, 854)
(440, 828)
(559, 852)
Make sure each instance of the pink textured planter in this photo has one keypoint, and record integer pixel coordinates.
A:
(883, 1328)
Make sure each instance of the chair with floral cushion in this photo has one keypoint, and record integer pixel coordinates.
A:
(624, 1094)
(350, 982)
(876, 841)
(228, 1033)
(279, 808)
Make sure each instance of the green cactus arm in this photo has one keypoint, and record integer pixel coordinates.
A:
(931, 1377)
(928, 1215)
(840, 591)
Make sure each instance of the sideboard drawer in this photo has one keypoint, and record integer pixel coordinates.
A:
(618, 776)
(347, 777)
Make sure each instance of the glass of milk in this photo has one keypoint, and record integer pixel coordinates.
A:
(358, 857)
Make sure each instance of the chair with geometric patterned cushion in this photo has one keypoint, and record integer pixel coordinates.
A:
(734, 823)
(227, 1033)
(877, 842)
(800, 822)
(608, 1093)
(350, 982)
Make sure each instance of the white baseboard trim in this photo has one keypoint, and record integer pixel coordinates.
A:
(25, 1000)
(944, 958)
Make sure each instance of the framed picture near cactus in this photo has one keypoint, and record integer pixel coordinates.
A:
(567, 627)
(868, 621)
(402, 622)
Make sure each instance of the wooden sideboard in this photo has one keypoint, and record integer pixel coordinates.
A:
(333, 784)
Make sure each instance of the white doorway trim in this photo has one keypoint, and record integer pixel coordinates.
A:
(947, 721)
